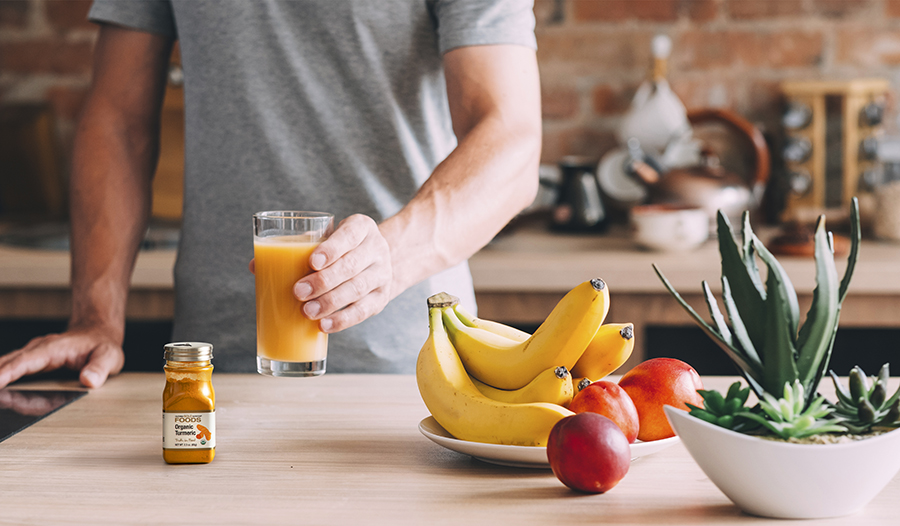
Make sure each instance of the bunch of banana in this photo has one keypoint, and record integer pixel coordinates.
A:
(464, 411)
(561, 339)
(489, 382)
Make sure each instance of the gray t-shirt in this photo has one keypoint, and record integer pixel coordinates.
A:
(330, 105)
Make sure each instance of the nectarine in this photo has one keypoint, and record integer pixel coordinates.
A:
(658, 382)
(610, 400)
(588, 452)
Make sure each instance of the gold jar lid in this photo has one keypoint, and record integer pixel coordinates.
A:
(188, 352)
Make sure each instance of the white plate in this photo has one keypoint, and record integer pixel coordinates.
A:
(517, 456)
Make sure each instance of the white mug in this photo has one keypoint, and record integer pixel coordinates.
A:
(669, 228)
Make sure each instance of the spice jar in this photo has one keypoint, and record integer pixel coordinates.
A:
(189, 404)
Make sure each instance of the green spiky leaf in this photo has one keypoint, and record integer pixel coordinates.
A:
(739, 266)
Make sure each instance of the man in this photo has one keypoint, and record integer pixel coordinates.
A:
(415, 122)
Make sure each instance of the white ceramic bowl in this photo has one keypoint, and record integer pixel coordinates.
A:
(669, 228)
(789, 481)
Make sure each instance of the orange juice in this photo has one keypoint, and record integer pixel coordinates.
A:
(283, 332)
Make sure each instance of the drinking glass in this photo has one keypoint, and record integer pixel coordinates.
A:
(287, 342)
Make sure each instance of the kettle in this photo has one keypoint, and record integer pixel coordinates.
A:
(578, 205)
(706, 184)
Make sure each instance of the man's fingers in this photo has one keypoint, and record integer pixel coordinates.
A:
(349, 235)
(75, 350)
(104, 361)
(353, 314)
(21, 363)
(342, 295)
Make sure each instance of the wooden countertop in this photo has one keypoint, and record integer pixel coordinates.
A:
(338, 449)
(542, 261)
(527, 260)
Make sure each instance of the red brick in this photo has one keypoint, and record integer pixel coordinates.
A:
(69, 14)
(867, 47)
(559, 102)
(701, 10)
(763, 101)
(840, 8)
(67, 101)
(548, 12)
(702, 92)
(577, 140)
(619, 10)
(892, 8)
(780, 50)
(551, 150)
(588, 142)
(594, 51)
(611, 100)
(752, 9)
(695, 50)
(705, 50)
(14, 14)
(45, 56)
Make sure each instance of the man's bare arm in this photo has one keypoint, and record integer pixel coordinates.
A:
(494, 95)
(115, 154)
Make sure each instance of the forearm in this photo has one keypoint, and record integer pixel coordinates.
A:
(114, 158)
(480, 186)
(494, 95)
(110, 203)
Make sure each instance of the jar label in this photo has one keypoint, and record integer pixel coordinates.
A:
(189, 430)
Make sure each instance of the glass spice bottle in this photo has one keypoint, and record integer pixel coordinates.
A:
(189, 404)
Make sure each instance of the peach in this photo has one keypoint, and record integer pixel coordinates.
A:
(610, 400)
(658, 382)
(588, 452)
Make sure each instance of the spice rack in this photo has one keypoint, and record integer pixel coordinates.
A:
(831, 141)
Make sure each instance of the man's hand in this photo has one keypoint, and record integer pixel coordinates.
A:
(114, 156)
(92, 351)
(352, 277)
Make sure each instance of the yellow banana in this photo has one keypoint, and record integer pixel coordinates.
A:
(497, 328)
(560, 340)
(554, 386)
(459, 406)
(579, 383)
(609, 349)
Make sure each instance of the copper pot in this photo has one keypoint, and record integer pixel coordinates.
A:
(708, 185)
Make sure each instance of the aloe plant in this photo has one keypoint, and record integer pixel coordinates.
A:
(763, 335)
(790, 417)
(861, 407)
(723, 411)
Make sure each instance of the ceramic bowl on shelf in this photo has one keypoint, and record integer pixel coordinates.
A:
(669, 228)
(777, 479)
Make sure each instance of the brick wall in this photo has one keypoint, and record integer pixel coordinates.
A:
(731, 53)
(593, 54)
(45, 55)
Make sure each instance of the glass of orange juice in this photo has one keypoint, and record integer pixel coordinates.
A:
(287, 342)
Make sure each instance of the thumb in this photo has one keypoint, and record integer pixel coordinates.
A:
(104, 361)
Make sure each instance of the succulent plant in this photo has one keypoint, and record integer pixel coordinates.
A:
(861, 407)
(791, 417)
(763, 335)
(724, 411)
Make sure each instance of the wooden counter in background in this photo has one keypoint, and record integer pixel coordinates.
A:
(518, 279)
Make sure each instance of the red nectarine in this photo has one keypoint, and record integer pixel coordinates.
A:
(658, 382)
(610, 400)
(588, 452)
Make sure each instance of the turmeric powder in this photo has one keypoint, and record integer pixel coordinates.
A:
(189, 404)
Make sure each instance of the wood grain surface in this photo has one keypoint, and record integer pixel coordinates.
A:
(337, 449)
